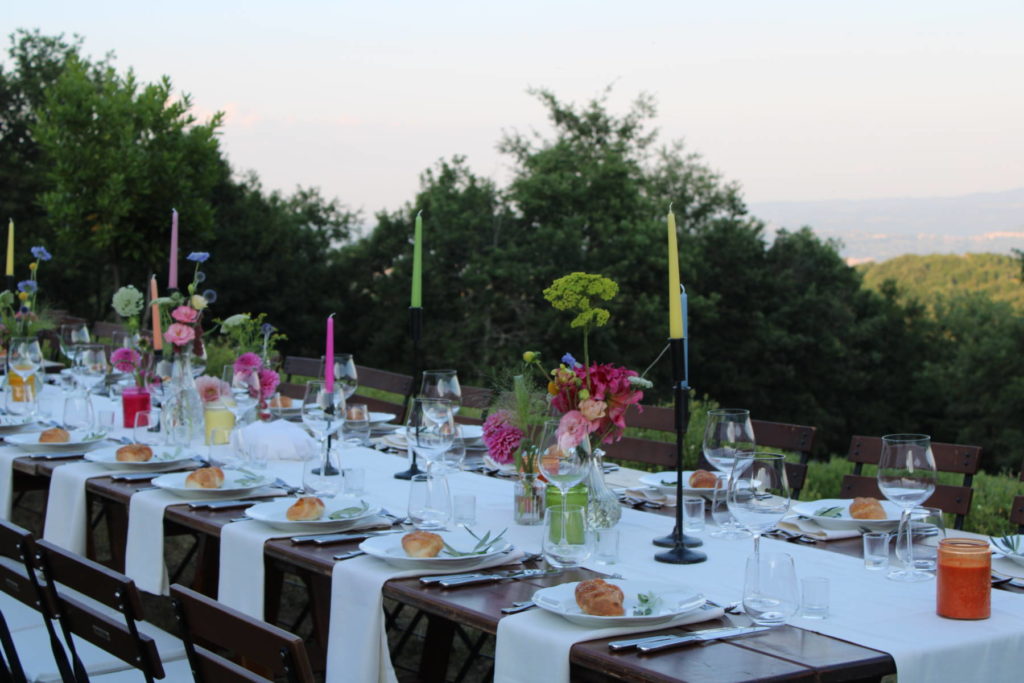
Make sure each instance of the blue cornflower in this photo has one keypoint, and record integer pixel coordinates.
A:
(29, 286)
(569, 360)
(199, 256)
(41, 254)
(267, 329)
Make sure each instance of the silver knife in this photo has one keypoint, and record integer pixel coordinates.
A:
(697, 637)
(442, 577)
(449, 582)
(324, 539)
(633, 642)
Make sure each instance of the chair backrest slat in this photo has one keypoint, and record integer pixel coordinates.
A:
(956, 500)
(302, 366)
(1017, 513)
(205, 622)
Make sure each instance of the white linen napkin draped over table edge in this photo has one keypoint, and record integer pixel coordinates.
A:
(549, 638)
(7, 456)
(67, 514)
(241, 568)
(144, 548)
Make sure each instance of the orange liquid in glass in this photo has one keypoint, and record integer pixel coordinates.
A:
(963, 588)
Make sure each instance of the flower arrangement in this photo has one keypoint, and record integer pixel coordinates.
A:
(246, 332)
(186, 308)
(248, 365)
(128, 360)
(512, 429)
(20, 312)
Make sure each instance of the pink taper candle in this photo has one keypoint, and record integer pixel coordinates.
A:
(172, 270)
(329, 355)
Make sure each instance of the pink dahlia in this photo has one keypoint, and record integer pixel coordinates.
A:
(247, 364)
(501, 437)
(268, 382)
(125, 359)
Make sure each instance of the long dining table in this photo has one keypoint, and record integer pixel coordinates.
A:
(798, 651)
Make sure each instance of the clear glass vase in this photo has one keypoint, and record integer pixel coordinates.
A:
(529, 499)
(181, 418)
(603, 509)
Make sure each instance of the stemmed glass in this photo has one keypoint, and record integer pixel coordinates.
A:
(24, 358)
(906, 476)
(727, 432)
(759, 492)
(442, 384)
(431, 429)
(90, 366)
(564, 468)
(323, 412)
(345, 374)
(245, 388)
(71, 337)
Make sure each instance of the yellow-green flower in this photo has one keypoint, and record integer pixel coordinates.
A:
(530, 356)
(577, 291)
(198, 302)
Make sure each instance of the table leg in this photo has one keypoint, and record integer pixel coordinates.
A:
(117, 531)
(437, 648)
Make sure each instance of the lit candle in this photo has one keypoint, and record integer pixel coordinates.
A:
(675, 313)
(158, 340)
(172, 269)
(417, 263)
(329, 355)
(10, 248)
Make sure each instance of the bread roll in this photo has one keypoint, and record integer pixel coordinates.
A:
(280, 401)
(422, 544)
(599, 598)
(306, 509)
(702, 479)
(54, 435)
(205, 478)
(867, 508)
(134, 452)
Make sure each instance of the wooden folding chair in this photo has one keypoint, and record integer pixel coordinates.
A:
(386, 381)
(956, 500)
(478, 398)
(206, 624)
(101, 608)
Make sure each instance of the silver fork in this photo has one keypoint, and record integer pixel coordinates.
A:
(518, 607)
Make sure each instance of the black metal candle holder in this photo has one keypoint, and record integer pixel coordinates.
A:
(678, 543)
(416, 332)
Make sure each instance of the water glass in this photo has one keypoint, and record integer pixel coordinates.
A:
(430, 503)
(105, 421)
(257, 455)
(321, 475)
(78, 413)
(728, 529)
(141, 432)
(814, 597)
(356, 430)
(567, 540)
(693, 515)
(464, 505)
(456, 453)
(876, 550)
(927, 528)
(606, 546)
(354, 481)
(770, 590)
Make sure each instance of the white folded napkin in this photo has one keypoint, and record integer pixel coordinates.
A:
(287, 440)
(652, 494)
(144, 549)
(358, 645)
(809, 527)
(7, 457)
(548, 638)
(67, 510)
(241, 567)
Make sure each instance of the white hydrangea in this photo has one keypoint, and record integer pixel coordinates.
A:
(128, 302)
(232, 321)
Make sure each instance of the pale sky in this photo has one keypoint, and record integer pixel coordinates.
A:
(795, 100)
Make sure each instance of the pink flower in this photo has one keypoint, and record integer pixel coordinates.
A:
(247, 364)
(593, 409)
(572, 429)
(184, 314)
(501, 437)
(179, 334)
(125, 359)
(268, 382)
(212, 389)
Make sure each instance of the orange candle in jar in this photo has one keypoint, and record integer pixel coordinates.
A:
(963, 579)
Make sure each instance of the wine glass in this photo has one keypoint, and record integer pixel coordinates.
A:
(345, 373)
(727, 528)
(728, 431)
(431, 428)
(759, 492)
(24, 358)
(71, 336)
(245, 391)
(906, 476)
(563, 467)
(442, 384)
(90, 366)
(323, 412)
(356, 430)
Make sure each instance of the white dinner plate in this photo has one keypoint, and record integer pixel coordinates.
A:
(274, 514)
(674, 600)
(1014, 557)
(81, 440)
(381, 418)
(666, 483)
(164, 457)
(290, 411)
(13, 423)
(844, 522)
(389, 548)
(237, 484)
(471, 433)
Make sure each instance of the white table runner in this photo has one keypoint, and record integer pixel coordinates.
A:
(67, 514)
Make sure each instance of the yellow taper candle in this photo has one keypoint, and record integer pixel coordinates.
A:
(675, 311)
(10, 248)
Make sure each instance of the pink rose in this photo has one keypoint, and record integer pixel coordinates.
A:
(593, 409)
(211, 389)
(184, 314)
(125, 360)
(572, 429)
(179, 334)
(268, 382)
(247, 364)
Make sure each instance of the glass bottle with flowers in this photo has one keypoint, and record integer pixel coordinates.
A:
(251, 380)
(512, 433)
(182, 411)
(22, 322)
(592, 398)
(135, 358)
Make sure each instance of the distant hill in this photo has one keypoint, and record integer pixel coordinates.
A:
(879, 229)
(924, 277)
